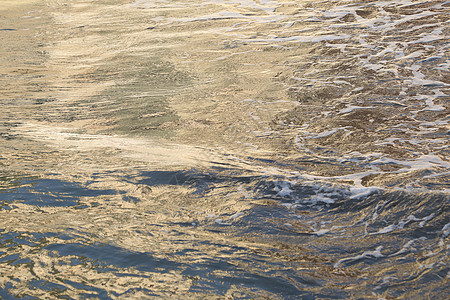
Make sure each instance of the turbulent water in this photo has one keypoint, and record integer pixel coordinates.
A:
(224, 149)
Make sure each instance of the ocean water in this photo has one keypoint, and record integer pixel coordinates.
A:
(224, 149)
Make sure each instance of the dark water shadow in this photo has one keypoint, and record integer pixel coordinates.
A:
(49, 193)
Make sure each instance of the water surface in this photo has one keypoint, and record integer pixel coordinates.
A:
(228, 149)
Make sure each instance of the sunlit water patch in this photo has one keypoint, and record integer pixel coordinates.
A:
(229, 149)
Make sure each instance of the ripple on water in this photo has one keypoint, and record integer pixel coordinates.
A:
(235, 149)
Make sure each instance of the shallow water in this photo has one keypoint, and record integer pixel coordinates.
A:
(224, 149)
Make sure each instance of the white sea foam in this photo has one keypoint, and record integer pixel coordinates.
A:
(236, 215)
(358, 193)
(446, 230)
(426, 219)
(321, 198)
(283, 189)
(375, 254)
(429, 100)
(422, 162)
(351, 108)
(408, 246)
(221, 222)
(321, 232)
(401, 224)
(326, 133)
(412, 55)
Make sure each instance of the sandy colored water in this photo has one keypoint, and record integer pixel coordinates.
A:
(8, 4)
(229, 149)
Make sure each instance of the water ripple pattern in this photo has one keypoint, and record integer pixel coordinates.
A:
(226, 149)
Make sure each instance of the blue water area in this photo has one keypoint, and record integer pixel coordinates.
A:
(209, 274)
(105, 255)
(109, 258)
(154, 178)
(50, 192)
